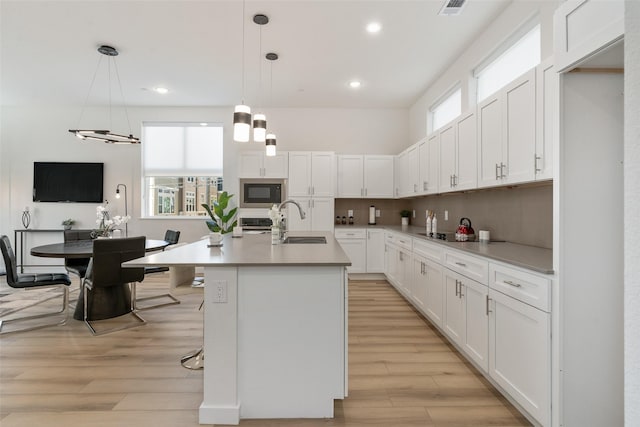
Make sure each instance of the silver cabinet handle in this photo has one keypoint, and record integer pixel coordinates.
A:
(313, 190)
(497, 176)
(455, 180)
(488, 299)
(515, 285)
(535, 163)
(457, 287)
(365, 192)
(502, 166)
(309, 191)
(461, 285)
(415, 188)
(424, 186)
(461, 264)
(450, 180)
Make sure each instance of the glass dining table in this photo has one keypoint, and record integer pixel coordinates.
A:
(104, 303)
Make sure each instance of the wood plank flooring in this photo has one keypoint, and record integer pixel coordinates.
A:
(401, 371)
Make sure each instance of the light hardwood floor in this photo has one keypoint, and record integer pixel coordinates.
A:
(401, 372)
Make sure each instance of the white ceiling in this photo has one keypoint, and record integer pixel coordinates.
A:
(194, 48)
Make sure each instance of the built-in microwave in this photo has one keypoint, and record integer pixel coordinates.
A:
(262, 192)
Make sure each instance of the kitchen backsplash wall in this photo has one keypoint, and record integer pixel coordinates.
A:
(519, 214)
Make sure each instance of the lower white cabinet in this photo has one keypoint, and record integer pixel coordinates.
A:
(434, 304)
(466, 319)
(520, 342)
(356, 250)
(375, 251)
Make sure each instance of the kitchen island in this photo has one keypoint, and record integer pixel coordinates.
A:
(275, 326)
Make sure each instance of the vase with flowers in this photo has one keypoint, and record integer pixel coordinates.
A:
(106, 224)
(276, 225)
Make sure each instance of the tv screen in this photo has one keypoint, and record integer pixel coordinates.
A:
(67, 182)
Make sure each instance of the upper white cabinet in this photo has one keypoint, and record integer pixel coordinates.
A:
(408, 162)
(583, 28)
(370, 176)
(429, 164)
(375, 251)
(256, 164)
(311, 174)
(547, 104)
(507, 134)
(458, 154)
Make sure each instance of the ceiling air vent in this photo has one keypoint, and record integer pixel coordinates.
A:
(452, 7)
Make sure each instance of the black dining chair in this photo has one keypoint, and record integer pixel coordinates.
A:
(33, 281)
(77, 266)
(105, 270)
(172, 237)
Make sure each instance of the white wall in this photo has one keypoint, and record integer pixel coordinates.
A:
(631, 209)
(40, 134)
(511, 19)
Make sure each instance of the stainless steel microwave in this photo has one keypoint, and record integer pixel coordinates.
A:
(262, 192)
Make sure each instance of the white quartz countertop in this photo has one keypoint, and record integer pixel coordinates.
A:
(530, 257)
(249, 250)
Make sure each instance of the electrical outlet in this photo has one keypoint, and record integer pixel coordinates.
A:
(350, 212)
(377, 213)
(220, 291)
(446, 215)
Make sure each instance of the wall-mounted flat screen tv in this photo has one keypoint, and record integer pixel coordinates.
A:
(67, 182)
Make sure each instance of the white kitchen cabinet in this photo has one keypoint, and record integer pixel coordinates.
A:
(405, 272)
(354, 244)
(447, 157)
(256, 164)
(583, 28)
(311, 174)
(319, 214)
(507, 134)
(520, 353)
(466, 319)
(378, 176)
(370, 176)
(391, 263)
(434, 303)
(458, 151)
(547, 104)
(429, 164)
(375, 251)
(408, 162)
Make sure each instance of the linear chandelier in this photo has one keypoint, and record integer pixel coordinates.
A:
(104, 135)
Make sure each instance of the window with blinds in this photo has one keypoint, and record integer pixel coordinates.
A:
(181, 164)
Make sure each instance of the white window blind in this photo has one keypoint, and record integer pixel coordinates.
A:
(511, 62)
(182, 150)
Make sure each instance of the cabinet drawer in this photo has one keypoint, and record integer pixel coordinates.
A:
(351, 233)
(427, 250)
(469, 266)
(399, 240)
(526, 287)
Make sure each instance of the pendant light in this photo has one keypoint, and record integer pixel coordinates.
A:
(104, 135)
(270, 142)
(259, 119)
(242, 113)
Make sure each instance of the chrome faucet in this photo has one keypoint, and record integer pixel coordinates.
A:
(283, 228)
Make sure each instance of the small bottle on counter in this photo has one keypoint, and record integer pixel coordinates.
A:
(344, 220)
(338, 220)
(434, 226)
(350, 220)
(429, 225)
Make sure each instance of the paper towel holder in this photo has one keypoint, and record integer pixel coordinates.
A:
(372, 215)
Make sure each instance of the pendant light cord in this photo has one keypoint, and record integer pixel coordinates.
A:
(86, 99)
(243, 15)
(124, 102)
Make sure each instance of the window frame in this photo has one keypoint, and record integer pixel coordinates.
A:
(503, 48)
(442, 100)
(192, 178)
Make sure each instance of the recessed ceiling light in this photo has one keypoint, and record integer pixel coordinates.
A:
(374, 27)
(354, 84)
(203, 124)
(161, 90)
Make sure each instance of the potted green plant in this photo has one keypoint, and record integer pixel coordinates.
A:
(405, 214)
(221, 222)
(67, 223)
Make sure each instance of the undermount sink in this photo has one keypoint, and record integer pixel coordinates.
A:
(305, 239)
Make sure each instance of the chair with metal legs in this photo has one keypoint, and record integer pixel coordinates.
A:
(172, 237)
(106, 271)
(33, 281)
(77, 266)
